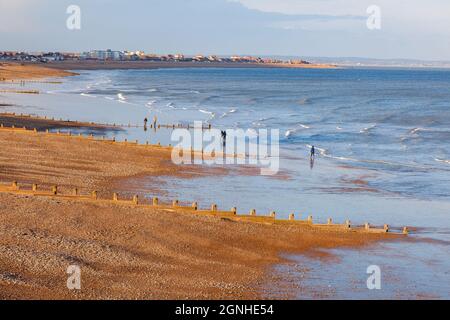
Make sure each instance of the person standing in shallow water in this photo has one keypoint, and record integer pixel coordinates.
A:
(145, 124)
(313, 154)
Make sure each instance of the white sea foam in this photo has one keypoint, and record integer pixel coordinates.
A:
(228, 112)
(121, 97)
(325, 153)
(291, 132)
(87, 95)
(368, 129)
(442, 160)
(417, 130)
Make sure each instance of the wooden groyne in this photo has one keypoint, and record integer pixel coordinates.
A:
(213, 210)
(86, 124)
(23, 82)
(20, 91)
(153, 202)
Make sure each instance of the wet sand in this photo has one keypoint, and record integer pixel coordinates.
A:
(8, 120)
(130, 252)
(17, 72)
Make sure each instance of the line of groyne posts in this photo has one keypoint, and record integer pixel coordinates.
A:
(252, 216)
(213, 210)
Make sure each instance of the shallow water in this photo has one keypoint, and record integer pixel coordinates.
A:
(382, 137)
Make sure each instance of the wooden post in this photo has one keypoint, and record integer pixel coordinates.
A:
(155, 201)
(195, 206)
(136, 200)
(75, 192)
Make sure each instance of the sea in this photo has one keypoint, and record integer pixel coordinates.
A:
(382, 140)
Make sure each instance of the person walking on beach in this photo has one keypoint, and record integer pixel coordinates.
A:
(155, 119)
(145, 124)
(224, 137)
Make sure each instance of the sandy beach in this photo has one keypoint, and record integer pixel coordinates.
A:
(130, 252)
(15, 71)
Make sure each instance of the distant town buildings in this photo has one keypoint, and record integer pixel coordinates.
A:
(33, 57)
(112, 55)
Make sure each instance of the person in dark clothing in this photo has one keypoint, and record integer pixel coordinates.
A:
(312, 158)
(224, 137)
(145, 124)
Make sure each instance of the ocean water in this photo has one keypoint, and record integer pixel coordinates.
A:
(383, 141)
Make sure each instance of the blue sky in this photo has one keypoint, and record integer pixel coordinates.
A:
(415, 29)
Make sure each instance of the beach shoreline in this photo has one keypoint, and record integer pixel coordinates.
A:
(136, 253)
(124, 65)
(23, 71)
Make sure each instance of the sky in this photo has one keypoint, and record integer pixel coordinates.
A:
(410, 29)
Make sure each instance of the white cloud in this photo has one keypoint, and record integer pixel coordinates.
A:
(401, 17)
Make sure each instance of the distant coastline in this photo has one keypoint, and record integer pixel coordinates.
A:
(99, 65)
